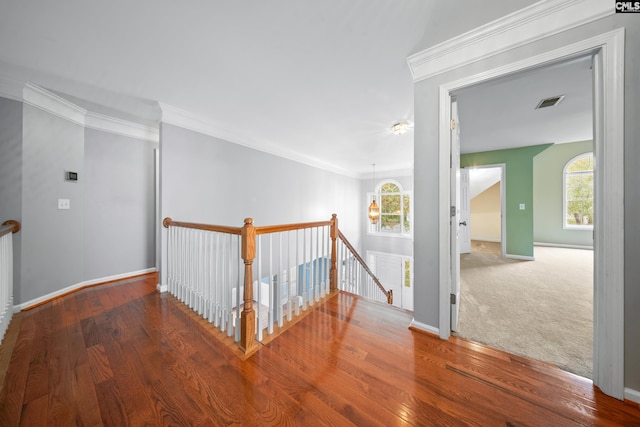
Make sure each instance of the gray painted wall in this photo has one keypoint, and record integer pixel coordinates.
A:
(120, 204)
(11, 176)
(209, 180)
(52, 239)
(548, 216)
(426, 175)
(109, 229)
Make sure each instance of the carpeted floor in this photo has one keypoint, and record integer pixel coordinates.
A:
(542, 309)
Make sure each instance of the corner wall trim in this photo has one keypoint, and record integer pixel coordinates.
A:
(69, 289)
(424, 327)
(541, 19)
(162, 288)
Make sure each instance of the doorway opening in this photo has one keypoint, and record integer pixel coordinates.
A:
(542, 307)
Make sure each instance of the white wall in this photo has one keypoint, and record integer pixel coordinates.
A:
(52, 239)
(120, 204)
(108, 231)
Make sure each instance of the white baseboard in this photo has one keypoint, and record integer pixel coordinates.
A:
(162, 288)
(632, 395)
(562, 245)
(425, 327)
(520, 257)
(80, 285)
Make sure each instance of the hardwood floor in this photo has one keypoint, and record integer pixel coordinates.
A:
(122, 354)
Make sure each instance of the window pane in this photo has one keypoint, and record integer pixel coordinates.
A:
(579, 191)
(406, 202)
(581, 164)
(390, 204)
(407, 273)
(390, 223)
(389, 187)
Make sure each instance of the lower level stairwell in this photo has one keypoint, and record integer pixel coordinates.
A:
(252, 282)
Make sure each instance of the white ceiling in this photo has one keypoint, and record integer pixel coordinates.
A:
(321, 82)
(502, 114)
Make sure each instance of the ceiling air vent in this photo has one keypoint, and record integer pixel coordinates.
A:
(550, 102)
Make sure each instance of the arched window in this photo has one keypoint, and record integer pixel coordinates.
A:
(578, 192)
(395, 209)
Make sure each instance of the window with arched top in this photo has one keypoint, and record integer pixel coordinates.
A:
(578, 192)
(395, 209)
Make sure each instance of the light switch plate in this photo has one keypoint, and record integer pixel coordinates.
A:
(521, 206)
(64, 204)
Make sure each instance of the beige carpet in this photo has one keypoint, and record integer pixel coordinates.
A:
(541, 309)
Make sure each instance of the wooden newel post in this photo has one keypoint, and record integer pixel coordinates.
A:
(333, 272)
(248, 317)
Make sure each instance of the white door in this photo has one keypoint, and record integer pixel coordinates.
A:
(464, 203)
(455, 217)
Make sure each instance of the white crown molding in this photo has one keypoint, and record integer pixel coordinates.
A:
(187, 120)
(47, 101)
(38, 97)
(508, 32)
(121, 127)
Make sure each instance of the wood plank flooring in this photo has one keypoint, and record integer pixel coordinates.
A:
(122, 354)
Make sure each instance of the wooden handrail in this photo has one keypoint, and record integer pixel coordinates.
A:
(288, 227)
(387, 293)
(207, 227)
(266, 229)
(10, 226)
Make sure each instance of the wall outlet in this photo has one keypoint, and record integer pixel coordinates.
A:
(64, 204)
(521, 206)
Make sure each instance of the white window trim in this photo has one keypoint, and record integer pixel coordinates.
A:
(378, 197)
(564, 195)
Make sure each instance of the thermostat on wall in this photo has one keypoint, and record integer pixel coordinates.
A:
(70, 176)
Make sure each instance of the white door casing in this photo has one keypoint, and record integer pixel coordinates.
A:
(608, 48)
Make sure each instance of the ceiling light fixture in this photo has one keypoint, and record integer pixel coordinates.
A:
(399, 128)
(374, 209)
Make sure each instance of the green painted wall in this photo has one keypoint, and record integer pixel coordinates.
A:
(518, 189)
(547, 195)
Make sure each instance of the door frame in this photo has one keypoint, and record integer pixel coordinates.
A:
(608, 51)
(503, 195)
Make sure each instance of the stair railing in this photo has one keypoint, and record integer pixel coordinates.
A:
(355, 276)
(7, 230)
(249, 281)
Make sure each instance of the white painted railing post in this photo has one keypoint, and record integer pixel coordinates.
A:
(333, 272)
(6, 273)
